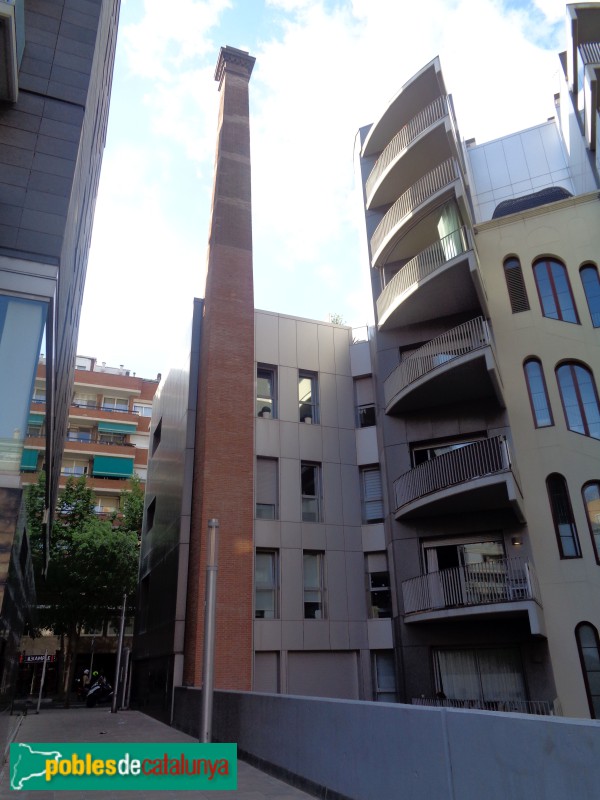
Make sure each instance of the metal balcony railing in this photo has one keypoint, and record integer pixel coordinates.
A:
(465, 338)
(427, 186)
(420, 267)
(499, 581)
(474, 460)
(100, 407)
(405, 137)
(544, 708)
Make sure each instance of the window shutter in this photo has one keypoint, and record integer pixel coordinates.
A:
(515, 284)
(373, 495)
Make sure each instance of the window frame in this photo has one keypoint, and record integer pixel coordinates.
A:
(313, 405)
(270, 375)
(572, 366)
(554, 511)
(372, 591)
(584, 671)
(272, 586)
(537, 423)
(365, 500)
(595, 298)
(317, 497)
(270, 489)
(547, 262)
(318, 588)
(593, 535)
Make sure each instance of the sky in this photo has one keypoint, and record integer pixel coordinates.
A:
(324, 69)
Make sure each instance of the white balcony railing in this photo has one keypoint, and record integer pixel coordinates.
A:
(544, 708)
(420, 267)
(405, 137)
(474, 460)
(499, 581)
(465, 338)
(427, 186)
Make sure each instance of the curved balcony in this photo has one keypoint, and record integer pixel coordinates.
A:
(479, 475)
(428, 188)
(458, 366)
(504, 587)
(409, 133)
(440, 276)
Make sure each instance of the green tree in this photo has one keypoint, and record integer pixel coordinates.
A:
(132, 506)
(91, 566)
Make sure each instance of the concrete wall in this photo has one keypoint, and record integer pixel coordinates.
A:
(377, 751)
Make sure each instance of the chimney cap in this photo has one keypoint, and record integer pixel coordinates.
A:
(238, 61)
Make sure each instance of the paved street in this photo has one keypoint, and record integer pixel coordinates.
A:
(99, 725)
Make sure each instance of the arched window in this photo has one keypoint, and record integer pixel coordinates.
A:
(554, 290)
(517, 293)
(591, 501)
(538, 396)
(591, 287)
(579, 399)
(562, 514)
(589, 654)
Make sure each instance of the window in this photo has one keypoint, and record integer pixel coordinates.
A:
(151, 514)
(554, 290)
(384, 674)
(76, 433)
(39, 394)
(308, 396)
(365, 402)
(589, 653)
(591, 501)
(112, 438)
(372, 494)
(310, 477)
(115, 404)
(378, 586)
(517, 293)
(579, 399)
(265, 584)
(591, 287)
(266, 488)
(562, 514)
(428, 451)
(538, 396)
(314, 585)
(266, 391)
(106, 505)
(74, 466)
(156, 436)
(85, 400)
(479, 676)
(143, 411)
(34, 429)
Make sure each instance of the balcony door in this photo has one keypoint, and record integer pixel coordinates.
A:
(480, 678)
(465, 572)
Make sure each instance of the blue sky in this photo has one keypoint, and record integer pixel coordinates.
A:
(323, 69)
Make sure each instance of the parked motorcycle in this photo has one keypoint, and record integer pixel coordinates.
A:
(100, 692)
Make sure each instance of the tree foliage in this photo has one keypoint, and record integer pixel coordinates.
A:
(132, 506)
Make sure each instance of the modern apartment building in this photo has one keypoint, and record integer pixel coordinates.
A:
(55, 76)
(484, 267)
(427, 500)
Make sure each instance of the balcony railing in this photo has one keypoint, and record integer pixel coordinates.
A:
(474, 460)
(405, 136)
(543, 708)
(420, 267)
(96, 440)
(465, 338)
(427, 186)
(500, 581)
(100, 407)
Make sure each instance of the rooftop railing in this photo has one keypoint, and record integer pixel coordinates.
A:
(502, 580)
(465, 338)
(427, 186)
(420, 267)
(544, 708)
(464, 464)
(405, 137)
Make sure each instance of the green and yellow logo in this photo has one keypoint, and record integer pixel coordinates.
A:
(119, 766)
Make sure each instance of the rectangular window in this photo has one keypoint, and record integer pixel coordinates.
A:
(143, 411)
(384, 673)
(266, 584)
(372, 494)
(112, 438)
(85, 400)
(115, 404)
(482, 678)
(39, 394)
(310, 476)
(266, 488)
(365, 402)
(266, 392)
(314, 585)
(74, 466)
(378, 584)
(156, 436)
(77, 433)
(308, 396)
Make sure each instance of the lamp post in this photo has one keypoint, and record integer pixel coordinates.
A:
(208, 656)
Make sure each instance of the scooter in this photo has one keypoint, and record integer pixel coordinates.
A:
(100, 692)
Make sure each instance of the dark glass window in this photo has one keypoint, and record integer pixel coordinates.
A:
(517, 293)
(589, 653)
(562, 514)
(591, 287)
(554, 290)
(591, 501)
(538, 396)
(579, 398)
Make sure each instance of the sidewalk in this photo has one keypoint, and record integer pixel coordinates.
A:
(99, 725)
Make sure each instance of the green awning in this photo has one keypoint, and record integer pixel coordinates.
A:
(36, 419)
(113, 467)
(108, 426)
(29, 460)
